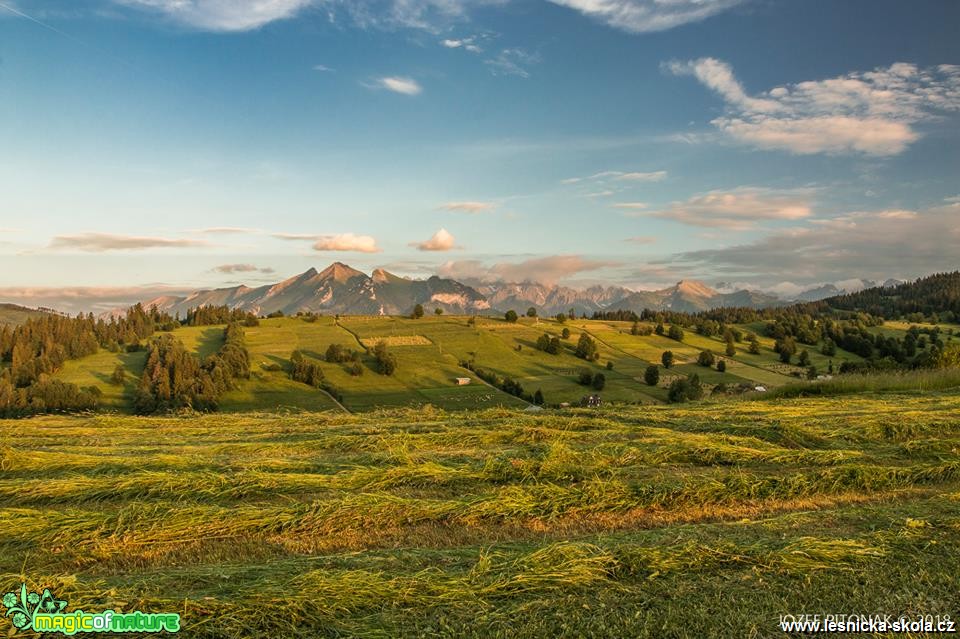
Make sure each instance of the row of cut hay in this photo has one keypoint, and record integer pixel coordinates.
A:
(367, 513)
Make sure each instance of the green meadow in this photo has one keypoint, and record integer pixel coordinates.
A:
(430, 352)
(637, 521)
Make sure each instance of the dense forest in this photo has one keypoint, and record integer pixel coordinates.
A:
(175, 378)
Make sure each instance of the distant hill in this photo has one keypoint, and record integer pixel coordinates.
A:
(12, 314)
(939, 293)
(342, 289)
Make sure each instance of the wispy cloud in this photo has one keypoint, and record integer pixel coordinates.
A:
(397, 84)
(442, 240)
(221, 15)
(739, 208)
(642, 239)
(652, 176)
(624, 176)
(467, 44)
(322, 68)
(242, 268)
(630, 206)
(469, 207)
(870, 113)
(102, 242)
(512, 62)
(641, 16)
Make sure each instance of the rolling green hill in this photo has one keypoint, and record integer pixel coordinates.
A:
(430, 352)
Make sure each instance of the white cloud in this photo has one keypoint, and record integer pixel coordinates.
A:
(222, 15)
(625, 176)
(346, 242)
(295, 236)
(102, 242)
(442, 240)
(322, 68)
(429, 15)
(469, 207)
(630, 206)
(738, 208)
(512, 62)
(871, 113)
(642, 16)
(467, 44)
(653, 176)
(405, 86)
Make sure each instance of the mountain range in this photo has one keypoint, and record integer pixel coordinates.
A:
(345, 290)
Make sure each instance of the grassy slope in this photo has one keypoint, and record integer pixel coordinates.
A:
(654, 521)
(429, 362)
(12, 314)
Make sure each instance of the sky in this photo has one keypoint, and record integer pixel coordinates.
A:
(152, 145)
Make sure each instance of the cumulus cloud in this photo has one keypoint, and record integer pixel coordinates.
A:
(870, 113)
(873, 244)
(242, 268)
(739, 208)
(405, 86)
(442, 240)
(546, 270)
(346, 242)
(102, 242)
(642, 16)
(222, 15)
(469, 207)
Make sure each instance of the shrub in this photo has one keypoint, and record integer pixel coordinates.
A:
(599, 381)
(652, 375)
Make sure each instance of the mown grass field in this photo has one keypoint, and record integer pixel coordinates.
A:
(429, 353)
(646, 521)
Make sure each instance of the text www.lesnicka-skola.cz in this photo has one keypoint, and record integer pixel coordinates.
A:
(814, 624)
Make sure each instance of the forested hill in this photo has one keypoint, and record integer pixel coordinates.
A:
(937, 294)
(12, 314)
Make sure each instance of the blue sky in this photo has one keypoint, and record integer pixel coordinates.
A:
(188, 143)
